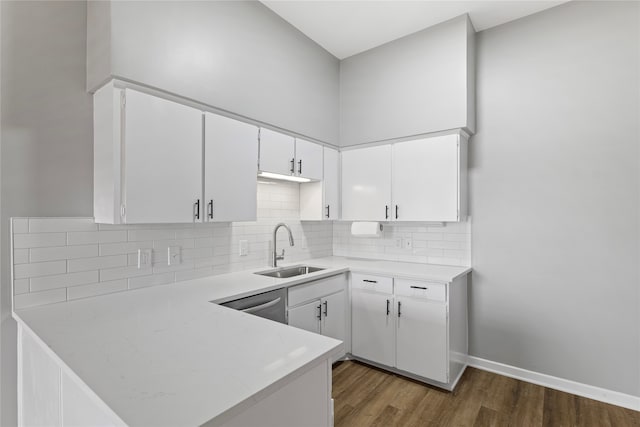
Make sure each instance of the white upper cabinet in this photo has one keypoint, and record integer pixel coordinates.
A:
(320, 200)
(366, 184)
(230, 158)
(308, 159)
(277, 152)
(149, 165)
(420, 180)
(285, 155)
(162, 147)
(425, 179)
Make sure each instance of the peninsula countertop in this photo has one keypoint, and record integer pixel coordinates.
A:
(166, 355)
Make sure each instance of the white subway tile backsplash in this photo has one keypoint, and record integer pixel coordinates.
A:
(63, 252)
(39, 298)
(152, 280)
(48, 225)
(62, 280)
(39, 240)
(20, 256)
(145, 235)
(89, 237)
(123, 248)
(123, 273)
(97, 263)
(20, 286)
(95, 289)
(20, 225)
(36, 269)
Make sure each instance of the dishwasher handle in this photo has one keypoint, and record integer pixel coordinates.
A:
(261, 306)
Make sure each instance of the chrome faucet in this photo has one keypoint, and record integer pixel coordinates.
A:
(274, 256)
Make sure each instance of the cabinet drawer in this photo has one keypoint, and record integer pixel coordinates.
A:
(316, 289)
(372, 283)
(418, 289)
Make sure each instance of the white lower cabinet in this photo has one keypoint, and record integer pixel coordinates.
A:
(321, 307)
(373, 326)
(405, 325)
(421, 339)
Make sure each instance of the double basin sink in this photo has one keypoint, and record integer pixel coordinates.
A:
(286, 272)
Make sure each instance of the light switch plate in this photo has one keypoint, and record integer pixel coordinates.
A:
(174, 255)
(144, 257)
(244, 247)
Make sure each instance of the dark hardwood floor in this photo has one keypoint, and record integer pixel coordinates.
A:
(366, 396)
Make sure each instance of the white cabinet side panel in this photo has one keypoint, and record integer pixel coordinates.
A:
(277, 152)
(366, 183)
(302, 402)
(106, 155)
(40, 385)
(163, 160)
(231, 166)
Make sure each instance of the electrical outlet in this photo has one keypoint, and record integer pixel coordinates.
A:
(407, 243)
(244, 247)
(144, 258)
(173, 255)
(398, 242)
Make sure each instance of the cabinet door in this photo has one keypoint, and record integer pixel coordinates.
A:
(306, 316)
(425, 179)
(333, 316)
(373, 327)
(276, 152)
(422, 338)
(308, 159)
(230, 167)
(163, 160)
(331, 183)
(366, 183)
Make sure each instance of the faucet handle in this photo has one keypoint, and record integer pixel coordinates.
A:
(281, 256)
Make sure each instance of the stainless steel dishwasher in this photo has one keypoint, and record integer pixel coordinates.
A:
(270, 305)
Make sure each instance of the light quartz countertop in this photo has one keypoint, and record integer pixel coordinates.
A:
(166, 355)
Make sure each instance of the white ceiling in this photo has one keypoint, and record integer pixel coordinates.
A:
(345, 27)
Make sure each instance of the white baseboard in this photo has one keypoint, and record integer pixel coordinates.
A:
(568, 386)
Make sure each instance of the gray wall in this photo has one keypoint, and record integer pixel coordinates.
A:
(46, 134)
(414, 85)
(237, 56)
(555, 195)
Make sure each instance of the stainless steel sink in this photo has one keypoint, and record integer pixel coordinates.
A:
(286, 272)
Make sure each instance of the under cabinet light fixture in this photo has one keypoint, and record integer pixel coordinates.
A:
(282, 177)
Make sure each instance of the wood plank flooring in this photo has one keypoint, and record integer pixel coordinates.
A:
(366, 396)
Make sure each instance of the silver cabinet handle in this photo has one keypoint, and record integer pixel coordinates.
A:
(261, 306)
(293, 163)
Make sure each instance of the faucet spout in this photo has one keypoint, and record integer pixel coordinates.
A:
(274, 256)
